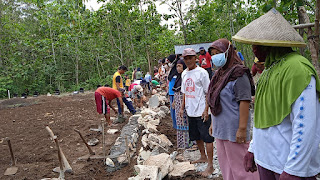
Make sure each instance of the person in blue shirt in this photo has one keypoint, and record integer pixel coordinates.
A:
(239, 54)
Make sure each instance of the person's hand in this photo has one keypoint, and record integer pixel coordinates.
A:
(241, 136)
(205, 116)
(286, 176)
(248, 162)
(210, 130)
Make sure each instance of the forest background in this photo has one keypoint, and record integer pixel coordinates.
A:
(60, 44)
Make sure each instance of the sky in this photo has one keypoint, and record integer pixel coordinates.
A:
(162, 9)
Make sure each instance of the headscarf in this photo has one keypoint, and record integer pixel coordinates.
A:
(177, 84)
(173, 58)
(287, 74)
(229, 72)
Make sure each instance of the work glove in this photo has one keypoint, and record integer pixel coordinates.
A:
(286, 176)
(248, 162)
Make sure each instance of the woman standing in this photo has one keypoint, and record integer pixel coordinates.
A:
(182, 122)
(286, 133)
(229, 97)
(172, 75)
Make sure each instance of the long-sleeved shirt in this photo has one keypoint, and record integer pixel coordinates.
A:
(293, 145)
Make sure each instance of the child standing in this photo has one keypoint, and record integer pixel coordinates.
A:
(128, 82)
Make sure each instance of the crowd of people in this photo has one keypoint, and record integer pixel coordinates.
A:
(211, 93)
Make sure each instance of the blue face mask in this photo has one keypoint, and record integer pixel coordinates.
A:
(219, 60)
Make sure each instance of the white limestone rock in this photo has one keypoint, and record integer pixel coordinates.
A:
(154, 101)
(145, 155)
(163, 161)
(146, 172)
(109, 162)
(181, 169)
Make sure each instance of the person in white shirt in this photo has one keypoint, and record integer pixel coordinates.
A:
(286, 132)
(195, 83)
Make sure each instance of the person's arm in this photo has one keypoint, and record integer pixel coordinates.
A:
(118, 80)
(305, 137)
(110, 104)
(205, 84)
(205, 115)
(243, 121)
(182, 105)
(242, 90)
(248, 160)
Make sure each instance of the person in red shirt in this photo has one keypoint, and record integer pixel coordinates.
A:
(104, 97)
(205, 61)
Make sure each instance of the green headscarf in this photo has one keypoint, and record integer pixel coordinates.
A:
(285, 77)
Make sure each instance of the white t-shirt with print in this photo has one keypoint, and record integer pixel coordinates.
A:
(195, 85)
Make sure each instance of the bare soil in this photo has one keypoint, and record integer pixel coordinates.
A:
(24, 121)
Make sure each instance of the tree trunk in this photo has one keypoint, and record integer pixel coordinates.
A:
(301, 16)
(77, 64)
(1, 29)
(184, 28)
(313, 42)
(52, 40)
(97, 62)
(315, 59)
(146, 37)
(120, 44)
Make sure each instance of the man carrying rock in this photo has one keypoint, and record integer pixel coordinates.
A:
(104, 97)
(195, 83)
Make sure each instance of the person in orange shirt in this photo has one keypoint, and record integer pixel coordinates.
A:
(104, 97)
(127, 83)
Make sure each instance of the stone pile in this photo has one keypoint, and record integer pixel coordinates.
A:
(154, 160)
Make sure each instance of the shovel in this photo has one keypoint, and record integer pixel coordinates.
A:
(13, 169)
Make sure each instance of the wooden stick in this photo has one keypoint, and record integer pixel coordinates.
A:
(103, 142)
(11, 152)
(67, 167)
(84, 141)
(60, 158)
(302, 26)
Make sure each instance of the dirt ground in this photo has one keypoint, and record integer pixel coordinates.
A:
(24, 121)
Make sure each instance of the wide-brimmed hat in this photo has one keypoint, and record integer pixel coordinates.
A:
(271, 29)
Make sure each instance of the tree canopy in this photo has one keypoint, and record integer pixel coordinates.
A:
(49, 44)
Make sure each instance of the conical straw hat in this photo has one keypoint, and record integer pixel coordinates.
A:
(271, 29)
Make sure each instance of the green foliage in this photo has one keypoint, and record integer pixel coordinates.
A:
(46, 45)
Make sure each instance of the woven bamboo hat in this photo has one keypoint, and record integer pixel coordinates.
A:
(271, 29)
